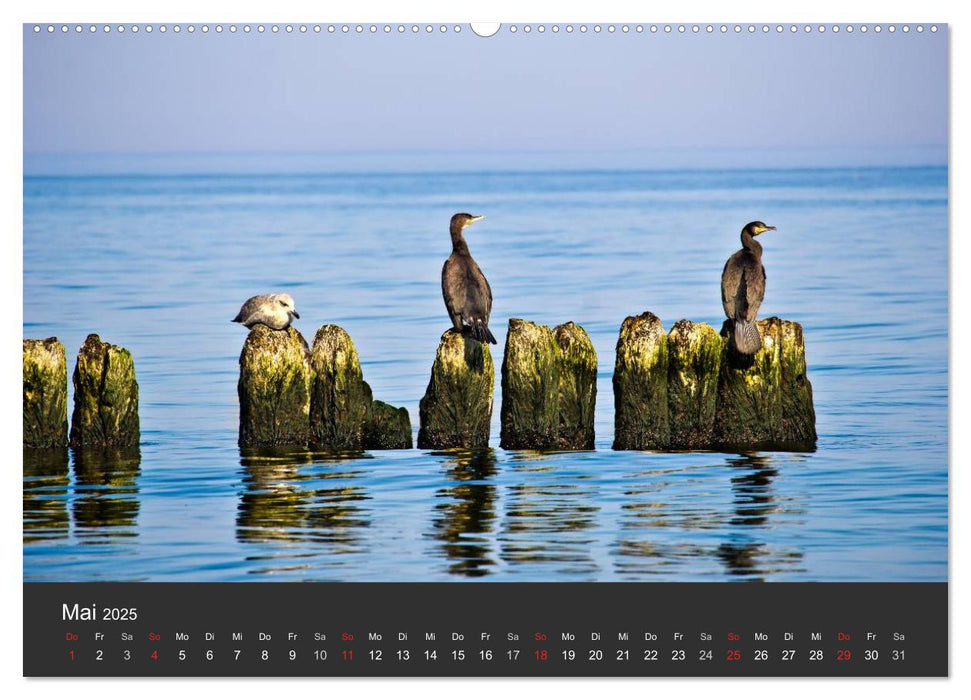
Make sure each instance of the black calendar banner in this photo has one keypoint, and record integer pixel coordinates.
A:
(516, 629)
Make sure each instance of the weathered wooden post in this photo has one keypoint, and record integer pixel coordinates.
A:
(274, 388)
(765, 400)
(691, 390)
(549, 387)
(45, 393)
(457, 406)
(798, 411)
(641, 385)
(578, 387)
(340, 399)
(530, 412)
(386, 428)
(694, 359)
(105, 396)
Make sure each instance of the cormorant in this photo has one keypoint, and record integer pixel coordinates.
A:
(743, 288)
(274, 311)
(467, 294)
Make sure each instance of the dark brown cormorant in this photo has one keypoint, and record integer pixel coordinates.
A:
(743, 288)
(467, 294)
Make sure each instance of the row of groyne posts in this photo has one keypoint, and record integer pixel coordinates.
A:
(684, 389)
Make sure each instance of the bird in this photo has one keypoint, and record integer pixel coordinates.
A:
(468, 297)
(743, 288)
(275, 311)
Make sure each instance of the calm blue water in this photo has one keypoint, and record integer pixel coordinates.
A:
(160, 264)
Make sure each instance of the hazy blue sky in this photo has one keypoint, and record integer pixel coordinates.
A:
(321, 92)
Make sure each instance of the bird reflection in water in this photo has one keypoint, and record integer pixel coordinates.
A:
(106, 504)
(673, 518)
(547, 516)
(45, 494)
(754, 501)
(297, 495)
(465, 515)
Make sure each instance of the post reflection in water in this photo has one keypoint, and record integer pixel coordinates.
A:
(106, 500)
(657, 523)
(670, 514)
(548, 514)
(464, 522)
(298, 495)
(754, 501)
(46, 484)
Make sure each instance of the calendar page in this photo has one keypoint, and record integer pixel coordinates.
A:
(547, 349)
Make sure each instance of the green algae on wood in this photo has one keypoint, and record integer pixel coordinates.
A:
(45, 393)
(274, 388)
(386, 428)
(641, 385)
(105, 396)
(530, 412)
(340, 399)
(456, 409)
(549, 387)
(577, 387)
(798, 412)
(694, 359)
(765, 400)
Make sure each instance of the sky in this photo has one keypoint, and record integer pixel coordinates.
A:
(736, 94)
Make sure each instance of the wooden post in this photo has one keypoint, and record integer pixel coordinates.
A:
(457, 407)
(105, 396)
(45, 393)
(340, 399)
(641, 385)
(274, 388)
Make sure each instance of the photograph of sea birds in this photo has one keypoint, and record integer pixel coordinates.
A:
(562, 305)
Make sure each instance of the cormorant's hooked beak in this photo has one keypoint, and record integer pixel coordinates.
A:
(476, 218)
(767, 228)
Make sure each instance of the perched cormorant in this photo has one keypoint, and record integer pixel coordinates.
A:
(274, 311)
(467, 294)
(743, 288)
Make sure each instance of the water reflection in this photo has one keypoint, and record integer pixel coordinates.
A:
(106, 501)
(668, 513)
(550, 511)
(465, 511)
(752, 489)
(299, 495)
(45, 494)
(747, 554)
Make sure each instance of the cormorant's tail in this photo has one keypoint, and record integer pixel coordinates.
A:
(747, 338)
(481, 332)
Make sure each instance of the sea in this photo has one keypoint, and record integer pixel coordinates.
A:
(159, 258)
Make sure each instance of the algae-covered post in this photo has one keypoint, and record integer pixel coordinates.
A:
(641, 385)
(45, 393)
(549, 387)
(105, 396)
(694, 358)
(765, 400)
(530, 412)
(386, 428)
(274, 388)
(691, 389)
(578, 387)
(457, 406)
(340, 399)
